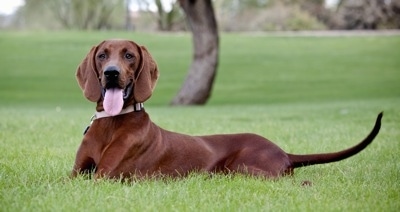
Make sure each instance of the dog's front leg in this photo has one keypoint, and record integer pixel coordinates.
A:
(83, 163)
(110, 165)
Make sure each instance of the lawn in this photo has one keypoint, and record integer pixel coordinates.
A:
(307, 94)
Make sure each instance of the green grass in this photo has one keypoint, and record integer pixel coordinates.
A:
(40, 67)
(306, 94)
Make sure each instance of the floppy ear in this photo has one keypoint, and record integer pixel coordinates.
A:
(86, 75)
(146, 78)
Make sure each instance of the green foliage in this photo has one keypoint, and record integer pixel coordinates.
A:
(256, 15)
(307, 94)
(301, 20)
(290, 18)
(71, 14)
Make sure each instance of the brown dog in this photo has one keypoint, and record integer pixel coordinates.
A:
(122, 141)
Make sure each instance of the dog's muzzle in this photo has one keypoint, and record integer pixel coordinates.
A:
(111, 75)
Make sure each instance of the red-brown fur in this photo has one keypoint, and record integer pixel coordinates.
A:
(131, 145)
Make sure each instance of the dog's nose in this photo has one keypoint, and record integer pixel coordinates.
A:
(111, 72)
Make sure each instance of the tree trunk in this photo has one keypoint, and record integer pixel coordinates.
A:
(198, 84)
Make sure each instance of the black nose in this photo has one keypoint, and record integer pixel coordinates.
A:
(111, 72)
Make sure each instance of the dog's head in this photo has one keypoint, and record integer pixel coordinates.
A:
(116, 73)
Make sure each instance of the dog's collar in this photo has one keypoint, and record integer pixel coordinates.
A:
(102, 114)
(132, 108)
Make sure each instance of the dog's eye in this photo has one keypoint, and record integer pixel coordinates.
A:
(102, 56)
(128, 56)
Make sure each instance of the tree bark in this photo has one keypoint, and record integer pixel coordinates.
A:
(197, 87)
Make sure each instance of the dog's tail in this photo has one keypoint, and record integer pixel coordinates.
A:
(312, 159)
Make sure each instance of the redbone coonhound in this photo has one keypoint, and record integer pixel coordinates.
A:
(122, 141)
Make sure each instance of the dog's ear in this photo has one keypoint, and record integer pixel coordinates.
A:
(87, 76)
(146, 77)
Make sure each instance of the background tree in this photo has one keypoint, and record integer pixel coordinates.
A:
(166, 19)
(72, 14)
(368, 14)
(168, 15)
(128, 17)
(232, 15)
(197, 87)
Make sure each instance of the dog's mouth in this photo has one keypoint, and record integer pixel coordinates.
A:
(127, 91)
(114, 98)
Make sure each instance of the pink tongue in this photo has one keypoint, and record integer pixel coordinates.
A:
(113, 101)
